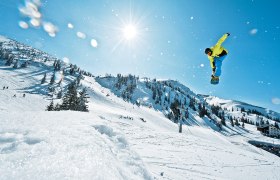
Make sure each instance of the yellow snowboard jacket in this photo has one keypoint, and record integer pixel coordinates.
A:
(217, 50)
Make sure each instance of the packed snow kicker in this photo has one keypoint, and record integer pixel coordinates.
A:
(129, 131)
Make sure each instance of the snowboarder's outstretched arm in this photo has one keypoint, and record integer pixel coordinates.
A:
(221, 40)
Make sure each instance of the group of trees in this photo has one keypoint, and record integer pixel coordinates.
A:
(72, 100)
(202, 111)
(18, 55)
(126, 85)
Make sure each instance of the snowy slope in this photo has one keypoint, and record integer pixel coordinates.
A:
(106, 144)
(229, 104)
(116, 139)
(162, 95)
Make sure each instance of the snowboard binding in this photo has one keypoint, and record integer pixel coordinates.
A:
(214, 80)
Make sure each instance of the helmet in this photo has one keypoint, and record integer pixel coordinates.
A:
(207, 50)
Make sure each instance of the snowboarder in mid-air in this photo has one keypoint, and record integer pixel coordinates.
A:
(216, 55)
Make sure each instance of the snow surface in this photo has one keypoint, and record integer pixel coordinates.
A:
(112, 142)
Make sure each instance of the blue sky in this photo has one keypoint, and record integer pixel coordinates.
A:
(169, 43)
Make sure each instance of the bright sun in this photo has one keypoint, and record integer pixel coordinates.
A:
(129, 32)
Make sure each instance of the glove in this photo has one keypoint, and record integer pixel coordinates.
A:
(228, 34)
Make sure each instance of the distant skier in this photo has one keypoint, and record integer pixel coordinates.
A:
(216, 55)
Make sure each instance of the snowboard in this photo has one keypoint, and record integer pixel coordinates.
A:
(214, 80)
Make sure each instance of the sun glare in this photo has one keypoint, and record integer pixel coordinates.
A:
(129, 32)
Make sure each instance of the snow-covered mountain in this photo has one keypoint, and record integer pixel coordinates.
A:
(164, 95)
(231, 104)
(132, 139)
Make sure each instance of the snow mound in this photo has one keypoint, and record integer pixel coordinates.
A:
(40, 145)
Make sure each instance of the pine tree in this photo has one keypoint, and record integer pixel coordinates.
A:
(24, 65)
(223, 120)
(52, 79)
(236, 123)
(276, 125)
(175, 109)
(70, 99)
(44, 78)
(154, 94)
(79, 78)
(72, 71)
(57, 107)
(50, 107)
(82, 101)
(192, 104)
(202, 110)
(57, 65)
(231, 121)
(59, 95)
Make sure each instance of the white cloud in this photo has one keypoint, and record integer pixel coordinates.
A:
(276, 100)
